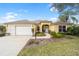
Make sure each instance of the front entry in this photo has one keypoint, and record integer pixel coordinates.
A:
(45, 28)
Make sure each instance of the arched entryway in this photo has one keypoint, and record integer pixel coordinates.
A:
(45, 28)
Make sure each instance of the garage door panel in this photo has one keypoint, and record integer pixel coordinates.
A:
(23, 31)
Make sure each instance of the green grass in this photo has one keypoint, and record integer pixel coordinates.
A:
(66, 47)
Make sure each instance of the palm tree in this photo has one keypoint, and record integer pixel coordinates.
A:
(65, 6)
(66, 11)
(67, 15)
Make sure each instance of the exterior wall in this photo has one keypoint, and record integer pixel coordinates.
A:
(53, 28)
(21, 25)
(41, 24)
(34, 28)
(68, 26)
(56, 27)
(11, 29)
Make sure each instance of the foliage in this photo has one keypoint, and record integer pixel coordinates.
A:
(73, 30)
(67, 11)
(2, 30)
(62, 18)
(56, 35)
(65, 6)
(40, 34)
(74, 19)
(67, 15)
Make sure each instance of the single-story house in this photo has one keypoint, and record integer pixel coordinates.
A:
(25, 27)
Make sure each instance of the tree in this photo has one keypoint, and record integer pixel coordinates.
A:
(2, 30)
(67, 15)
(65, 6)
(74, 19)
(62, 18)
(66, 10)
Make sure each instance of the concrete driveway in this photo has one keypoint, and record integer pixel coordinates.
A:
(11, 45)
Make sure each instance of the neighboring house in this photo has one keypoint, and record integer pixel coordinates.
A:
(25, 27)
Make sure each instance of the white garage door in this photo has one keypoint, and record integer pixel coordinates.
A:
(23, 31)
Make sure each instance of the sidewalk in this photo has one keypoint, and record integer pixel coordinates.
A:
(43, 37)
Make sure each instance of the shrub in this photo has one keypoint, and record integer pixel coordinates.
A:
(64, 33)
(73, 30)
(40, 34)
(56, 35)
(3, 34)
(51, 32)
(2, 30)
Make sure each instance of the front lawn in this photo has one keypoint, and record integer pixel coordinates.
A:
(68, 46)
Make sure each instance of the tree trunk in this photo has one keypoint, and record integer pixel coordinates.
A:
(67, 17)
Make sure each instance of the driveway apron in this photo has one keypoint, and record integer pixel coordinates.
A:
(11, 45)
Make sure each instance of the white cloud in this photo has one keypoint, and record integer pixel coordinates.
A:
(54, 19)
(8, 17)
(53, 9)
(11, 13)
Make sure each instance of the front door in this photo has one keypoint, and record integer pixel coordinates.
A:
(45, 28)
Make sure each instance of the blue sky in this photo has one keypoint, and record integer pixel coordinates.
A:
(30, 11)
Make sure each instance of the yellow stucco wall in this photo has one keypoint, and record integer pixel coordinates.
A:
(41, 24)
(34, 28)
(53, 28)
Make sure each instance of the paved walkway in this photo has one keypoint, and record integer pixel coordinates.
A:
(47, 35)
(43, 37)
(11, 45)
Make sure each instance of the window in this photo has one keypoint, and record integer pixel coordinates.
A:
(62, 28)
(38, 28)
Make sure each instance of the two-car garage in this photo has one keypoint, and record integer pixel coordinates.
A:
(21, 29)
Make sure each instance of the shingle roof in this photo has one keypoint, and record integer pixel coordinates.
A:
(27, 22)
(60, 23)
(21, 22)
(34, 22)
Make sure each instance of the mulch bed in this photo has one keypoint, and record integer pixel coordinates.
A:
(40, 42)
